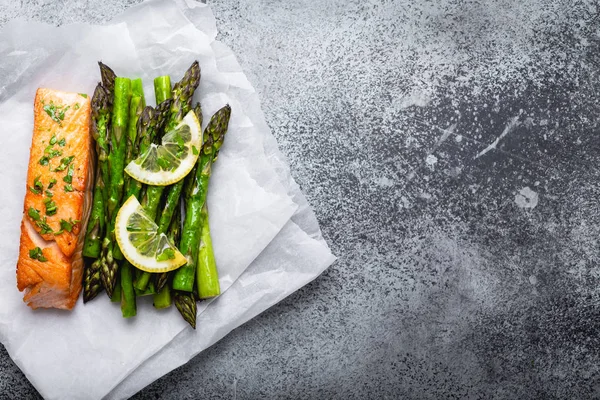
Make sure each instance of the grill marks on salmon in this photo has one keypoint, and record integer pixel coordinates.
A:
(57, 201)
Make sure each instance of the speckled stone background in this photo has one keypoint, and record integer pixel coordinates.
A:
(451, 151)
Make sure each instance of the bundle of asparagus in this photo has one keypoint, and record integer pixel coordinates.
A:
(124, 129)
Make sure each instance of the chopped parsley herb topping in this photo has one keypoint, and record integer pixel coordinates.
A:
(57, 113)
(64, 163)
(34, 214)
(37, 186)
(76, 106)
(68, 188)
(83, 95)
(52, 183)
(36, 254)
(44, 160)
(51, 152)
(49, 193)
(53, 140)
(51, 207)
(41, 223)
(69, 177)
(45, 228)
(68, 225)
(62, 142)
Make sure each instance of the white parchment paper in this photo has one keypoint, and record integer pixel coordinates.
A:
(92, 351)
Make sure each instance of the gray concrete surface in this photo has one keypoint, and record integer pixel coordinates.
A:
(450, 150)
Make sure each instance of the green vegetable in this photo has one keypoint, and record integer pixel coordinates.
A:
(92, 284)
(207, 277)
(51, 207)
(38, 187)
(36, 254)
(162, 88)
(34, 214)
(68, 225)
(69, 177)
(108, 78)
(136, 106)
(182, 103)
(64, 163)
(116, 296)
(44, 227)
(56, 112)
(197, 187)
(96, 228)
(162, 299)
(116, 161)
(128, 302)
(186, 304)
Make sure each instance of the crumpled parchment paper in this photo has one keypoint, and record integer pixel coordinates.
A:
(267, 240)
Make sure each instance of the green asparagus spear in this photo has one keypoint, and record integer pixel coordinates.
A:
(124, 291)
(100, 124)
(156, 123)
(92, 284)
(207, 276)
(116, 161)
(186, 304)
(149, 124)
(162, 299)
(171, 204)
(95, 228)
(141, 283)
(128, 301)
(136, 107)
(181, 105)
(153, 195)
(170, 207)
(167, 216)
(182, 95)
(196, 197)
(101, 110)
(116, 158)
(198, 112)
(108, 77)
(162, 88)
(174, 191)
(116, 296)
(150, 290)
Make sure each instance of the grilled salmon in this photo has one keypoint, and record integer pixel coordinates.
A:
(57, 201)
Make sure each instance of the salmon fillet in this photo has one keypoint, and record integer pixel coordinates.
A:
(57, 201)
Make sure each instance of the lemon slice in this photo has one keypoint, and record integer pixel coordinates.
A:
(140, 243)
(171, 161)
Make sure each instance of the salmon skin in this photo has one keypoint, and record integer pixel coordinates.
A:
(57, 201)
